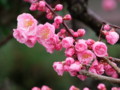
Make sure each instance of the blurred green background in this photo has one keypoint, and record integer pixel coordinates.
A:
(22, 68)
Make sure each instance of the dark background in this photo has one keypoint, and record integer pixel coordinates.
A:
(22, 68)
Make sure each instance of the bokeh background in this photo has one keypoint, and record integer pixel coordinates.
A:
(22, 68)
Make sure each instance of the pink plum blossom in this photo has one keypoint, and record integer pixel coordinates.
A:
(80, 46)
(67, 42)
(69, 52)
(75, 67)
(85, 57)
(52, 44)
(66, 68)
(100, 49)
(26, 22)
(69, 61)
(110, 71)
(112, 37)
(97, 68)
(20, 35)
(45, 32)
(31, 41)
(58, 67)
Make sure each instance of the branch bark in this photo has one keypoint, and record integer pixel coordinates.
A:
(78, 9)
(9, 37)
(99, 77)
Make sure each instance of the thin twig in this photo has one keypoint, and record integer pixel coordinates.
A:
(99, 77)
(100, 35)
(9, 37)
(63, 23)
(89, 65)
(115, 26)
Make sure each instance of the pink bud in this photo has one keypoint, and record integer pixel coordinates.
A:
(33, 6)
(81, 32)
(58, 67)
(44, 87)
(49, 16)
(67, 17)
(86, 88)
(69, 60)
(69, 52)
(107, 27)
(75, 67)
(75, 34)
(58, 19)
(73, 88)
(42, 4)
(62, 31)
(35, 88)
(90, 42)
(101, 86)
(112, 37)
(58, 7)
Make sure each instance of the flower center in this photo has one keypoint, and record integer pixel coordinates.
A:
(44, 33)
(86, 56)
(28, 23)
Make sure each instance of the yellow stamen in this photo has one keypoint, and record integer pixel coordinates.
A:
(28, 23)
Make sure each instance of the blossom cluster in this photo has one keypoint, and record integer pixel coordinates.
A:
(44, 87)
(80, 53)
(100, 86)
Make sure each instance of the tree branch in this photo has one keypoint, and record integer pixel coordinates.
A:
(79, 11)
(99, 77)
(114, 59)
(112, 64)
(9, 37)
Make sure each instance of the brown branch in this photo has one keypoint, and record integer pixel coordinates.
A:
(99, 77)
(112, 64)
(9, 37)
(79, 11)
(114, 59)
(90, 64)
(63, 23)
